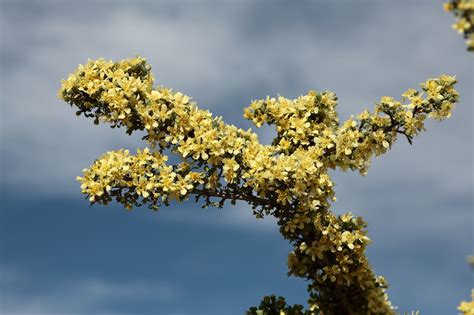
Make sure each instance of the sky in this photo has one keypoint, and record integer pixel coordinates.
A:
(60, 256)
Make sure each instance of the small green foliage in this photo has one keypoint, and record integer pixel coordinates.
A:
(271, 305)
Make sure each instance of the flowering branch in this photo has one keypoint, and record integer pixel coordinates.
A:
(288, 179)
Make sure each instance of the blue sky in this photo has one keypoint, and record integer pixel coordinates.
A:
(58, 256)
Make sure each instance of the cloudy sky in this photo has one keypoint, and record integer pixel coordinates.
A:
(58, 256)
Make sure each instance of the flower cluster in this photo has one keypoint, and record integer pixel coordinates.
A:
(331, 252)
(129, 177)
(288, 179)
(467, 308)
(310, 123)
(298, 122)
(464, 12)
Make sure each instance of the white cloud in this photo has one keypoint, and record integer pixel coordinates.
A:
(79, 297)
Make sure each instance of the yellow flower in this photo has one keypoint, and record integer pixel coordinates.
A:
(462, 25)
(448, 6)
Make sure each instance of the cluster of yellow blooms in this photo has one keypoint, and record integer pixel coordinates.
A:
(287, 179)
(464, 11)
(336, 263)
(145, 174)
(467, 308)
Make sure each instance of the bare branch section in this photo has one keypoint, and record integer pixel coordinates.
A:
(288, 179)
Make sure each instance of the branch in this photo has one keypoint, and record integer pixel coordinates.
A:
(243, 197)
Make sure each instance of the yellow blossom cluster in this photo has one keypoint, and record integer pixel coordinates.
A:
(288, 179)
(129, 177)
(298, 122)
(467, 308)
(354, 143)
(336, 261)
(464, 12)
